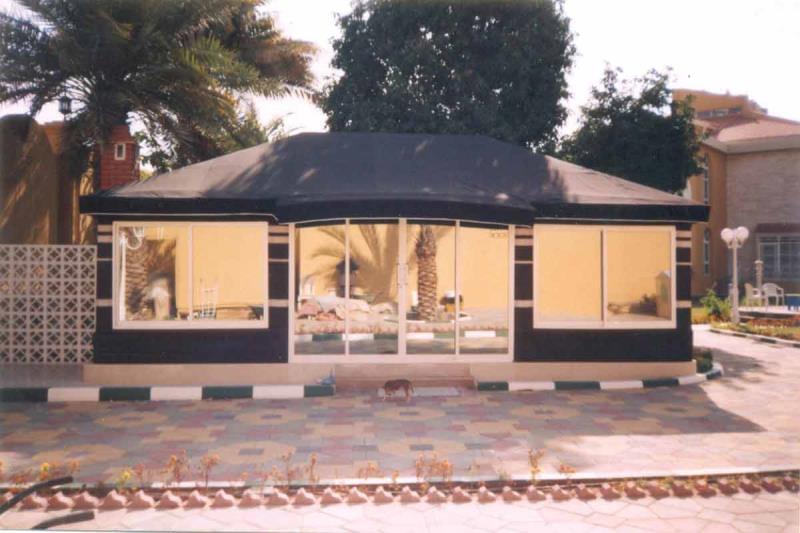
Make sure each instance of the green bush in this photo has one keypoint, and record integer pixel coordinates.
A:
(703, 359)
(719, 310)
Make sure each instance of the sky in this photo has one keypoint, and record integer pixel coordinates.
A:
(741, 46)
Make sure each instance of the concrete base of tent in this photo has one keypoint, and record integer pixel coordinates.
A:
(372, 374)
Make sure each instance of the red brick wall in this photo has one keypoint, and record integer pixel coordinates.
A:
(115, 172)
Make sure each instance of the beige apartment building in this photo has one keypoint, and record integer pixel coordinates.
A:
(751, 178)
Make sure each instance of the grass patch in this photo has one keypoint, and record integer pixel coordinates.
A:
(699, 315)
(779, 328)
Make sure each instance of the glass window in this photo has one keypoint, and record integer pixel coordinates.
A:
(220, 292)
(431, 288)
(706, 251)
(152, 273)
(590, 276)
(638, 275)
(483, 326)
(781, 256)
(567, 285)
(706, 180)
(319, 324)
(188, 274)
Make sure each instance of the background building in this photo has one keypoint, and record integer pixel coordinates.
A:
(751, 178)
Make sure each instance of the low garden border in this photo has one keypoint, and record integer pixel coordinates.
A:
(513, 386)
(757, 338)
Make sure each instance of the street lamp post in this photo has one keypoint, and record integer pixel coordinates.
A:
(734, 239)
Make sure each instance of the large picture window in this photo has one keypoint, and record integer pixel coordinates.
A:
(190, 275)
(603, 277)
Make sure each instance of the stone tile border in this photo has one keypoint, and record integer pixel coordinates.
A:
(174, 497)
(161, 393)
(513, 386)
(757, 338)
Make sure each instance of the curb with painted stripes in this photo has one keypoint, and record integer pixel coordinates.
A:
(758, 338)
(512, 386)
(133, 394)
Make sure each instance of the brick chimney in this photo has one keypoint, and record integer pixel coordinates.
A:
(119, 158)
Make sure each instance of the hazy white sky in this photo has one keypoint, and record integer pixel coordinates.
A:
(741, 46)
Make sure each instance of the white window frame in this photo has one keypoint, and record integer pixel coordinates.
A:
(190, 322)
(604, 323)
(117, 156)
(401, 356)
(706, 178)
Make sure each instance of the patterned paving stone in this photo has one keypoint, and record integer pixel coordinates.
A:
(746, 419)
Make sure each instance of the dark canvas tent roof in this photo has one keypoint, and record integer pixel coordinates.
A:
(314, 176)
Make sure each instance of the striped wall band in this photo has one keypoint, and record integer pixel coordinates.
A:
(162, 393)
(523, 304)
(103, 302)
(683, 233)
(281, 239)
(104, 228)
(523, 242)
(278, 303)
(104, 238)
(683, 244)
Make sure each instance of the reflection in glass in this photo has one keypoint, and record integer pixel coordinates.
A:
(320, 281)
(431, 289)
(373, 322)
(229, 272)
(567, 284)
(638, 275)
(483, 279)
(152, 273)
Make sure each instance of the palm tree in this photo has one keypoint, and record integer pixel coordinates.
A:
(181, 69)
(427, 277)
(377, 260)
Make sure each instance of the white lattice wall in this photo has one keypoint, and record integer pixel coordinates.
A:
(47, 303)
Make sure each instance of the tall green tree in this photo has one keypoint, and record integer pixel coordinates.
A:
(632, 129)
(493, 67)
(179, 68)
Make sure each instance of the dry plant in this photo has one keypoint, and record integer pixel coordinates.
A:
(207, 463)
(534, 460)
(177, 467)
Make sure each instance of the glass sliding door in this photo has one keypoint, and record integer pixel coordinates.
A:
(392, 288)
(431, 288)
(372, 303)
(319, 320)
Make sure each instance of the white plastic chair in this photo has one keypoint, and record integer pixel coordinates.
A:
(773, 291)
(753, 295)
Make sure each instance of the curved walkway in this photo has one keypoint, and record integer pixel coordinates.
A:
(746, 420)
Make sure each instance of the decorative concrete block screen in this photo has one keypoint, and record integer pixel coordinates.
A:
(47, 303)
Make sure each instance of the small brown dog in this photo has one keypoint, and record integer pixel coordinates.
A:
(394, 385)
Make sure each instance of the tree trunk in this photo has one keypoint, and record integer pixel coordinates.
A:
(427, 277)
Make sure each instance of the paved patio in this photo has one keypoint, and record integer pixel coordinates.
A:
(748, 419)
(762, 513)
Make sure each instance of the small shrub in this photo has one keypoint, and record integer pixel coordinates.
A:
(207, 463)
(719, 310)
(703, 359)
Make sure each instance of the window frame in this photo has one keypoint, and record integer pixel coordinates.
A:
(189, 323)
(117, 156)
(778, 241)
(706, 251)
(706, 181)
(604, 323)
